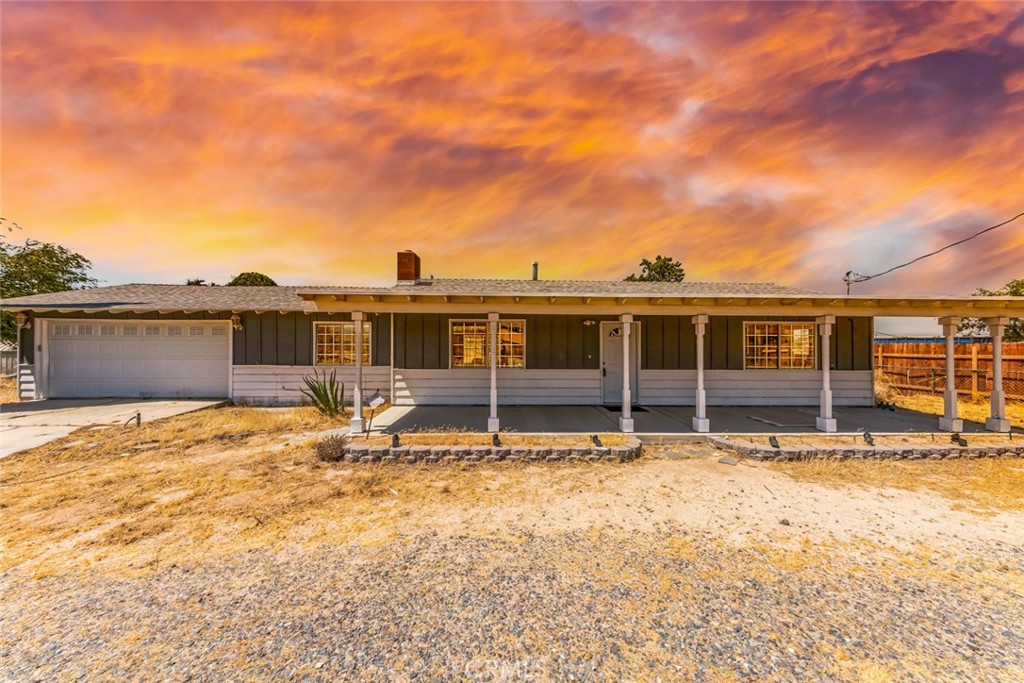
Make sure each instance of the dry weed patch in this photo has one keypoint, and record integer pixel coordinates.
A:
(975, 411)
(985, 485)
(208, 483)
(8, 390)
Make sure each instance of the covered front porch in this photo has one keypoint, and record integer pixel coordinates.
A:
(657, 420)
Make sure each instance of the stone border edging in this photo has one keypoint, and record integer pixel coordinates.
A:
(748, 449)
(365, 453)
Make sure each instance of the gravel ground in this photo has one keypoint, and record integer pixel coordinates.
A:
(612, 605)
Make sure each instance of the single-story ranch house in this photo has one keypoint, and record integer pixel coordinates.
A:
(487, 342)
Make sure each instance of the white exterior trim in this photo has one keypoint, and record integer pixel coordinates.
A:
(281, 384)
(471, 386)
(756, 387)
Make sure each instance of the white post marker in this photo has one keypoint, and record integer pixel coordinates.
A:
(492, 420)
(358, 425)
(949, 422)
(825, 422)
(700, 420)
(626, 420)
(998, 422)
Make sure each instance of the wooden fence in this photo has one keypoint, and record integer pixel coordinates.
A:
(8, 362)
(921, 367)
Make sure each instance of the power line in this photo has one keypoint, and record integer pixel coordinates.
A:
(852, 277)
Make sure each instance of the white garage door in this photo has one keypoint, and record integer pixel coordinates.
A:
(187, 359)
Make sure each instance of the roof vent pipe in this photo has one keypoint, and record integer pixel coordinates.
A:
(535, 271)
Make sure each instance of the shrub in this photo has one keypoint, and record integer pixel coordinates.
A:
(331, 449)
(325, 393)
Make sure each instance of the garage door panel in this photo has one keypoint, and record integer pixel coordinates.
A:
(136, 365)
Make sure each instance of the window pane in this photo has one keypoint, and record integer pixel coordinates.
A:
(336, 343)
(469, 344)
(130, 330)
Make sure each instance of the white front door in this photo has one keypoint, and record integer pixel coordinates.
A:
(611, 361)
(137, 359)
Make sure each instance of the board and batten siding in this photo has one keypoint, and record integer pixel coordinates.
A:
(553, 342)
(669, 342)
(471, 386)
(282, 384)
(286, 339)
(755, 387)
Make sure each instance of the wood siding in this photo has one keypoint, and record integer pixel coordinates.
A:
(281, 384)
(287, 338)
(515, 387)
(755, 387)
(553, 342)
(669, 342)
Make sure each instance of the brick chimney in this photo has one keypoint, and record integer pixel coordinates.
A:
(408, 268)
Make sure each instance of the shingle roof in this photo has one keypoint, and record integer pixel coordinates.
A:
(138, 297)
(601, 287)
(167, 298)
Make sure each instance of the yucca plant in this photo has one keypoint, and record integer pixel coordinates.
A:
(325, 393)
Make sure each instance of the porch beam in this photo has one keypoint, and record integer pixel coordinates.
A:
(700, 419)
(626, 420)
(492, 420)
(998, 422)
(825, 422)
(358, 425)
(949, 422)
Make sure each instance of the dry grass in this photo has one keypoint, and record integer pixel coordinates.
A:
(8, 390)
(216, 482)
(975, 411)
(456, 438)
(985, 485)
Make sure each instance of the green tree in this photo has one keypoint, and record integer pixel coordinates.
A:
(250, 279)
(38, 268)
(199, 282)
(662, 269)
(1015, 330)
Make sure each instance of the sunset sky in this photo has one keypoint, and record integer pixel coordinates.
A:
(788, 142)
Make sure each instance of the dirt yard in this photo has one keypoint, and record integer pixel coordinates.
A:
(215, 542)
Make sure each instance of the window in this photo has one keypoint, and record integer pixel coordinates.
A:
(335, 343)
(152, 330)
(196, 331)
(62, 329)
(130, 330)
(470, 347)
(219, 331)
(108, 330)
(85, 330)
(174, 330)
(778, 345)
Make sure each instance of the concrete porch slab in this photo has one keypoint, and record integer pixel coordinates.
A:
(658, 419)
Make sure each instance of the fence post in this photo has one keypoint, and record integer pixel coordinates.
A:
(974, 372)
(881, 356)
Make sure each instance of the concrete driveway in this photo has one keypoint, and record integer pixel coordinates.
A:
(34, 423)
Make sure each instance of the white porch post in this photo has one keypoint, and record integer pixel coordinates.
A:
(358, 424)
(492, 420)
(626, 420)
(949, 422)
(700, 420)
(826, 423)
(998, 422)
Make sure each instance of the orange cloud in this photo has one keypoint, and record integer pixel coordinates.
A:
(790, 142)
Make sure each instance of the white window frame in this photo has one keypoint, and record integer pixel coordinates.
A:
(780, 324)
(487, 343)
(367, 342)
